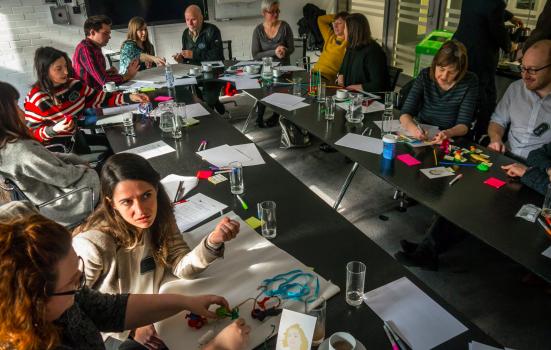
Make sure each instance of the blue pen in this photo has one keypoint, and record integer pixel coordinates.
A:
(458, 164)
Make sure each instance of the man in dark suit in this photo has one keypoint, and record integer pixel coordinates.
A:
(482, 30)
(543, 27)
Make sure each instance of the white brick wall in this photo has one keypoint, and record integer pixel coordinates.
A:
(27, 24)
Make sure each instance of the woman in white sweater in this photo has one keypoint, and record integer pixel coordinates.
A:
(132, 238)
(40, 174)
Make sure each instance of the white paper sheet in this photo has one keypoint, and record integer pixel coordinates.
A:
(151, 150)
(362, 143)
(213, 63)
(195, 210)
(115, 119)
(157, 74)
(292, 326)
(420, 321)
(397, 127)
(222, 156)
(283, 99)
(291, 68)
(547, 252)
(474, 345)
(254, 63)
(195, 110)
(172, 181)
(291, 108)
(250, 150)
(120, 109)
(249, 259)
(435, 173)
(375, 106)
(244, 83)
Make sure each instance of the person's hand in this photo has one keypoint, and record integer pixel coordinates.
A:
(280, 51)
(200, 304)
(187, 54)
(148, 337)
(233, 337)
(340, 80)
(497, 146)
(65, 126)
(178, 57)
(355, 87)
(517, 21)
(441, 136)
(226, 230)
(132, 69)
(112, 71)
(159, 61)
(139, 98)
(515, 169)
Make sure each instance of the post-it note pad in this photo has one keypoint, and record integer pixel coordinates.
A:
(204, 174)
(408, 159)
(253, 222)
(496, 183)
(163, 98)
(216, 179)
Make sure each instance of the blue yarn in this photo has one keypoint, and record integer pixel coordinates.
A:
(289, 289)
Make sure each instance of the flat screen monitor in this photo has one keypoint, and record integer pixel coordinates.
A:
(153, 11)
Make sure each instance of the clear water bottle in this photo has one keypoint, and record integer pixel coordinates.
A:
(169, 76)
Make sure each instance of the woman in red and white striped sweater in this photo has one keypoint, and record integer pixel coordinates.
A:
(57, 100)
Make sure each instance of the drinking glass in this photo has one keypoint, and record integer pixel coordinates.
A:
(267, 68)
(179, 119)
(267, 216)
(321, 91)
(166, 119)
(319, 313)
(237, 185)
(355, 279)
(297, 86)
(354, 113)
(546, 207)
(128, 119)
(330, 106)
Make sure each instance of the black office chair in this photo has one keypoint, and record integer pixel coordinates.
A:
(394, 73)
(226, 46)
(114, 59)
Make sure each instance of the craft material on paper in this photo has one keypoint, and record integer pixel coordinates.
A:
(283, 99)
(419, 320)
(195, 210)
(151, 150)
(362, 143)
(195, 110)
(296, 331)
(248, 258)
(529, 212)
(291, 68)
(474, 345)
(216, 179)
(408, 159)
(494, 182)
(253, 222)
(119, 110)
(397, 127)
(172, 181)
(251, 151)
(222, 156)
(435, 173)
(547, 252)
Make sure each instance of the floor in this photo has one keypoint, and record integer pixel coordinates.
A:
(477, 280)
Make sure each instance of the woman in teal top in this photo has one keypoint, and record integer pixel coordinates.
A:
(138, 47)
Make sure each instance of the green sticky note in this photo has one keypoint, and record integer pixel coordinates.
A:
(147, 89)
(253, 222)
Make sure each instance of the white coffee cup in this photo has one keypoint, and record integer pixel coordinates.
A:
(341, 336)
(277, 73)
(342, 94)
(194, 71)
(251, 69)
(110, 86)
(207, 67)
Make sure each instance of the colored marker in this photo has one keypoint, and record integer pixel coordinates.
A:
(392, 342)
(177, 196)
(455, 179)
(222, 172)
(548, 220)
(243, 204)
(202, 146)
(180, 201)
(545, 227)
(401, 344)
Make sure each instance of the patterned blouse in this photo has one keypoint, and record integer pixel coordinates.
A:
(129, 52)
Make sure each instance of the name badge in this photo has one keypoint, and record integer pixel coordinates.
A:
(147, 265)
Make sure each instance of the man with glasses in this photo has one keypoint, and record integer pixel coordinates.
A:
(526, 106)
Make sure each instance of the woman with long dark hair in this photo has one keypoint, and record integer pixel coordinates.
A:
(57, 101)
(40, 174)
(46, 304)
(138, 47)
(132, 238)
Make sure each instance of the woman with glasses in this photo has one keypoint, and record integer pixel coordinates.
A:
(443, 95)
(271, 38)
(138, 47)
(45, 303)
(132, 239)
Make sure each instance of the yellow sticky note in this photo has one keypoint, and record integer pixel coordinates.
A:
(253, 222)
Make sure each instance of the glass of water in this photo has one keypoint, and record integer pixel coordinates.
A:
(355, 280)
(179, 119)
(546, 207)
(128, 119)
(237, 185)
(297, 86)
(354, 113)
(330, 106)
(321, 91)
(267, 216)
(166, 117)
(319, 312)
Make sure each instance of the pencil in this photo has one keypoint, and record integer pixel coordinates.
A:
(435, 159)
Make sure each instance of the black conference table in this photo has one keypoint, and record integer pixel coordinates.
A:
(308, 228)
(485, 212)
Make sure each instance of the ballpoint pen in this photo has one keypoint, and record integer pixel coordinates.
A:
(177, 196)
(395, 335)
(455, 179)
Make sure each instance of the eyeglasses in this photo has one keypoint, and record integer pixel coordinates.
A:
(274, 12)
(81, 282)
(532, 71)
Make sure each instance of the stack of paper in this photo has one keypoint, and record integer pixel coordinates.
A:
(419, 320)
(213, 63)
(253, 63)
(221, 156)
(285, 101)
(195, 110)
(151, 150)
(172, 182)
(291, 68)
(195, 210)
(362, 143)
(243, 82)
(479, 346)
(120, 109)
(547, 252)
(397, 127)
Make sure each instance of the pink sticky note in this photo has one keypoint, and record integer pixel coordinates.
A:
(163, 98)
(497, 183)
(408, 159)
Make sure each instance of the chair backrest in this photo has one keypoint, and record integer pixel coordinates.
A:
(226, 45)
(114, 59)
(15, 194)
(299, 55)
(394, 73)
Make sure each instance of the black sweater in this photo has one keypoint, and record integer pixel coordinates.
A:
(539, 160)
(367, 66)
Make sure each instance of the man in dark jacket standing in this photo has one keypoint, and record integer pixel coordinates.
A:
(543, 27)
(202, 42)
(482, 30)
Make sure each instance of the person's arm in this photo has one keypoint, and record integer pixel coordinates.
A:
(96, 69)
(71, 158)
(324, 24)
(497, 28)
(214, 50)
(44, 120)
(496, 132)
(540, 158)
(96, 250)
(375, 65)
(289, 40)
(256, 46)
(536, 179)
